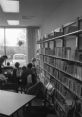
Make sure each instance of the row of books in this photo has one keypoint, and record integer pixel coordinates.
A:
(64, 107)
(64, 52)
(41, 61)
(69, 67)
(67, 29)
(62, 92)
(47, 78)
(60, 112)
(52, 44)
(61, 89)
(70, 83)
(52, 35)
(73, 85)
(62, 96)
(59, 98)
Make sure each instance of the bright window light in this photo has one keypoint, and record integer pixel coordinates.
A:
(9, 6)
(13, 22)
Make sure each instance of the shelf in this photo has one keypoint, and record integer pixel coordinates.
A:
(76, 61)
(60, 93)
(61, 55)
(63, 85)
(66, 100)
(59, 37)
(62, 106)
(64, 72)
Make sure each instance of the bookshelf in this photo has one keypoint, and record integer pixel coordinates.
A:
(61, 64)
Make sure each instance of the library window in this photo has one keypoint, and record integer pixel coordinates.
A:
(13, 41)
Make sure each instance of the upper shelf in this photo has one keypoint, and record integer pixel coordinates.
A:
(71, 28)
(58, 37)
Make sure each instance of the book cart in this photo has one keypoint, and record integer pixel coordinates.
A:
(60, 62)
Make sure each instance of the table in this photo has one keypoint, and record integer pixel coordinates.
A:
(11, 102)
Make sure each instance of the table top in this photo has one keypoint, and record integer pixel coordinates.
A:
(10, 102)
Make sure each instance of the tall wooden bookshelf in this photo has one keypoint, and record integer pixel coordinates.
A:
(60, 62)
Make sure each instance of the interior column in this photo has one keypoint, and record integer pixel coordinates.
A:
(32, 36)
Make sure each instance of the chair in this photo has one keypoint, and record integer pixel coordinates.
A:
(40, 106)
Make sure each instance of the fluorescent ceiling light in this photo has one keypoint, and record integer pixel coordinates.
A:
(13, 22)
(9, 6)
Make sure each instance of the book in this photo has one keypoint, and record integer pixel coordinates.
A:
(75, 87)
(68, 52)
(59, 43)
(72, 29)
(46, 45)
(71, 85)
(51, 45)
(58, 33)
(78, 89)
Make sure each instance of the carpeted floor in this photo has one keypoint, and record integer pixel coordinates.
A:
(38, 111)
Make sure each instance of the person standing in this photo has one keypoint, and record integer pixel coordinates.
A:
(16, 74)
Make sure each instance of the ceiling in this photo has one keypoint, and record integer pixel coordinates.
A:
(32, 12)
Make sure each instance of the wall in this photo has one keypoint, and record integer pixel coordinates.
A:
(64, 13)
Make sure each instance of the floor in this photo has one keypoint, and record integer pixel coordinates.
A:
(50, 112)
(38, 103)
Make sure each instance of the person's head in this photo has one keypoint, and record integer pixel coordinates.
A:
(8, 64)
(24, 68)
(4, 56)
(29, 65)
(17, 64)
(33, 61)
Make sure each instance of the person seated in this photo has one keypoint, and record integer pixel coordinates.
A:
(3, 78)
(37, 89)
